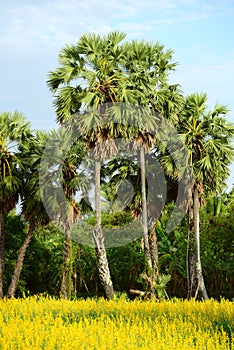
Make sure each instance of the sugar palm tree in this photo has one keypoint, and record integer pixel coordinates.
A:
(121, 171)
(207, 136)
(32, 207)
(150, 66)
(14, 130)
(36, 216)
(59, 182)
(72, 182)
(101, 70)
(92, 65)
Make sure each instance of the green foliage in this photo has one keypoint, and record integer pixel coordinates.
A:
(130, 72)
(161, 285)
(217, 237)
(126, 264)
(43, 259)
(15, 231)
(111, 220)
(43, 262)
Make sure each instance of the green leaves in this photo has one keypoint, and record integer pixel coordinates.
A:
(208, 137)
(68, 102)
(14, 134)
(104, 69)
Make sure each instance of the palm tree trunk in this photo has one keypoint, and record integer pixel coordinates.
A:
(65, 289)
(199, 276)
(73, 215)
(144, 209)
(190, 258)
(20, 260)
(153, 244)
(98, 236)
(2, 245)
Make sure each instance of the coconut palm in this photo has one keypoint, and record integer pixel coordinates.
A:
(14, 130)
(207, 136)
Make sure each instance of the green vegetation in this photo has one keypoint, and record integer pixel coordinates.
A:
(106, 89)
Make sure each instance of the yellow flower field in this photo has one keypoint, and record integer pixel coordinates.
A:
(46, 323)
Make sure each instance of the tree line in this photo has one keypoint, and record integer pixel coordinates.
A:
(105, 90)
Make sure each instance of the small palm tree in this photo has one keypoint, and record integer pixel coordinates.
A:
(14, 131)
(32, 207)
(59, 182)
(207, 136)
(71, 183)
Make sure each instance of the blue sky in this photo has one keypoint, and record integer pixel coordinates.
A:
(32, 32)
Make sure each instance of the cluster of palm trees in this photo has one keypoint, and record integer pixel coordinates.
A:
(106, 89)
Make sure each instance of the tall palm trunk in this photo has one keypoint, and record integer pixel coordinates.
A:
(65, 289)
(20, 260)
(199, 276)
(98, 236)
(196, 283)
(144, 209)
(2, 245)
(190, 258)
(71, 219)
(153, 245)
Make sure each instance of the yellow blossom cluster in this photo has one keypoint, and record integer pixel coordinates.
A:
(95, 324)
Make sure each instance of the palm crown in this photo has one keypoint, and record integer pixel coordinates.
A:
(207, 135)
(14, 130)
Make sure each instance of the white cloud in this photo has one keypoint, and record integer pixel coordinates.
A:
(28, 24)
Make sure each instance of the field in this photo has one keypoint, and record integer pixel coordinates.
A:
(46, 323)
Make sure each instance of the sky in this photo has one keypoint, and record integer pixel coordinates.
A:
(32, 33)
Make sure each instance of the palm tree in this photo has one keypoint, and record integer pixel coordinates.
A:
(14, 131)
(58, 189)
(93, 66)
(98, 71)
(207, 135)
(32, 207)
(72, 182)
(150, 66)
(36, 216)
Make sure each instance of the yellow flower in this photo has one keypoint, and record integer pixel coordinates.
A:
(46, 323)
